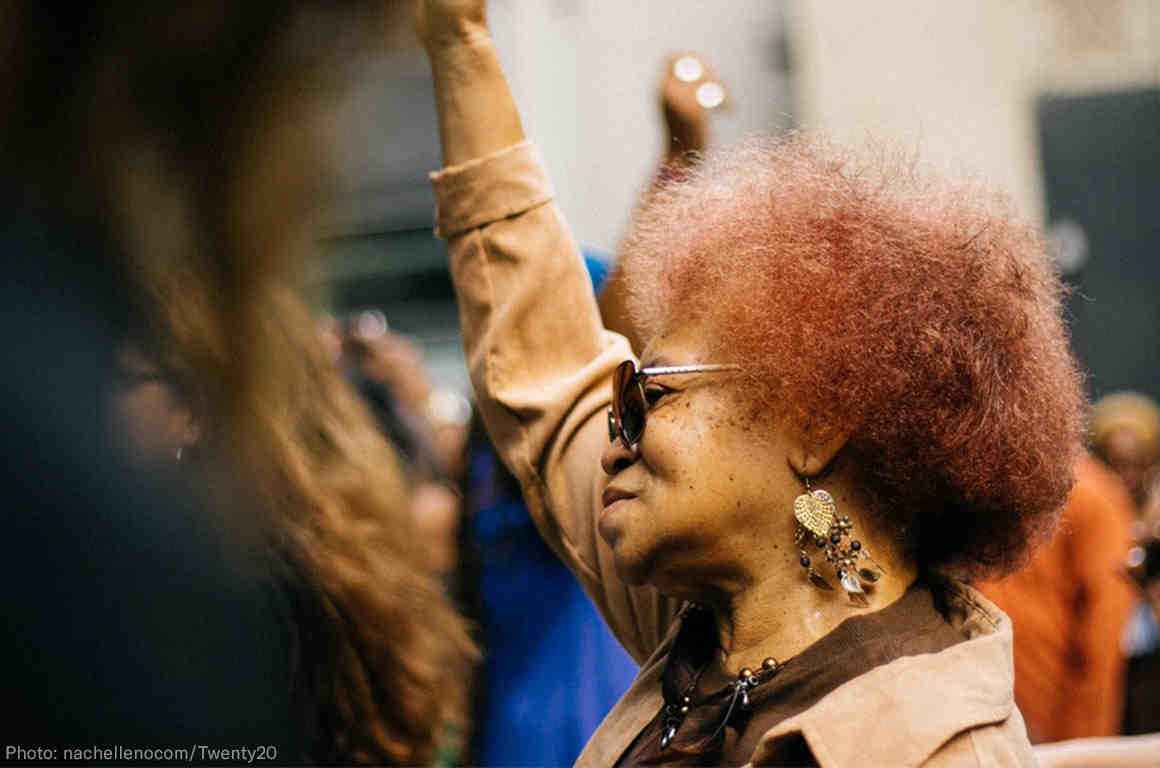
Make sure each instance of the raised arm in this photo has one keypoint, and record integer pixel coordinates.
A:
(539, 357)
(477, 115)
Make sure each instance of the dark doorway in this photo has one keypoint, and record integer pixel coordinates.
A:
(1101, 160)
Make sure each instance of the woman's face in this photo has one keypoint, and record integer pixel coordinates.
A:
(148, 413)
(707, 490)
(1129, 455)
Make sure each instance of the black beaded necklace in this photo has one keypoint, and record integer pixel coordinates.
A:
(675, 712)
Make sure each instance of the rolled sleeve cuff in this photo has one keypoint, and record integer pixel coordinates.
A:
(490, 188)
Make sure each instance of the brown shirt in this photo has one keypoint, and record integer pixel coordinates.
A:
(718, 730)
(541, 363)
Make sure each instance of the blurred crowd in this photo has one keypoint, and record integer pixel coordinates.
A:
(234, 519)
(1084, 608)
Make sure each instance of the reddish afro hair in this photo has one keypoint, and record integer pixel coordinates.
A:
(864, 295)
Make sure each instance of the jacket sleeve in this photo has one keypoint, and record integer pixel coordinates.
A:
(541, 363)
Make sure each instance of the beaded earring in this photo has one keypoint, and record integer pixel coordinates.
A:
(818, 521)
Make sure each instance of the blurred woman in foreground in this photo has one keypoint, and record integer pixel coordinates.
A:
(855, 389)
(182, 148)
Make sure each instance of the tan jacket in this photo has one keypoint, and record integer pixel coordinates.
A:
(541, 362)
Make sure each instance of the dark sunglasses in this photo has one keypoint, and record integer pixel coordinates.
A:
(629, 411)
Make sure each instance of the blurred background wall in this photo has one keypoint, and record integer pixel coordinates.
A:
(586, 73)
(1056, 101)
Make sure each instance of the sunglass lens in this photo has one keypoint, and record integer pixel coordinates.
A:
(632, 414)
(627, 402)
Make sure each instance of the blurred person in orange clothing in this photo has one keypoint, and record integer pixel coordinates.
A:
(1125, 434)
(1070, 607)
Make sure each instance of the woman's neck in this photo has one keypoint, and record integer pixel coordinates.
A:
(777, 612)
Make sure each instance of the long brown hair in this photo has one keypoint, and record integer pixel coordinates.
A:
(189, 138)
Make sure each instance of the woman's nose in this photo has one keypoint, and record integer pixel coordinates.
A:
(617, 456)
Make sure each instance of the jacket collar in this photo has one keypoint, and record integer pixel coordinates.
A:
(899, 714)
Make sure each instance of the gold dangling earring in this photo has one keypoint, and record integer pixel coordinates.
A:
(814, 512)
(818, 520)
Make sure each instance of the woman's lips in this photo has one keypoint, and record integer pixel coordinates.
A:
(611, 498)
(613, 495)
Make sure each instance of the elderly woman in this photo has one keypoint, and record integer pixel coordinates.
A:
(855, 392)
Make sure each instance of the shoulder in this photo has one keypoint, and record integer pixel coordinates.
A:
(996, 744)
(1001, 744)
(950, 708)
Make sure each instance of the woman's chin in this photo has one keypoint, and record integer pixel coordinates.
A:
(632, 556)
(633, 571)
(624, 557)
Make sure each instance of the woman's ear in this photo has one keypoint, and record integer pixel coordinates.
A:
(810, 453)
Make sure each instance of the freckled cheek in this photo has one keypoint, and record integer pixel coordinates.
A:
(687, 473)
(659, 455)
(674, 445)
